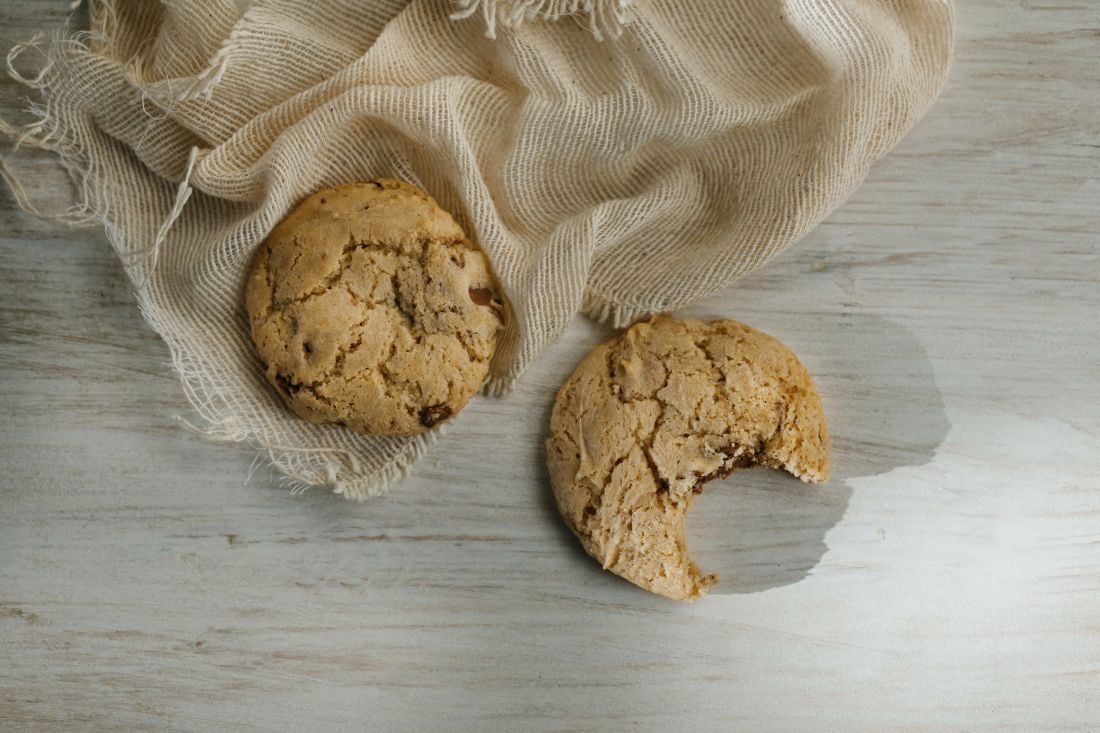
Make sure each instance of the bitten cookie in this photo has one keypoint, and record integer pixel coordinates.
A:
(370, 308)
(650, 416)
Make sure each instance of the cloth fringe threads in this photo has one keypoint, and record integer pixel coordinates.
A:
(606, 18)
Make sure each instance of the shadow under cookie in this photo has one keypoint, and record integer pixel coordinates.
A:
(762, 529)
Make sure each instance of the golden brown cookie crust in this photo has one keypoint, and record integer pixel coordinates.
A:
(650, 416)
(370, 308)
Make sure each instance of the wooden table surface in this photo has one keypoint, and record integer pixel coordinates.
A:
(947, 578)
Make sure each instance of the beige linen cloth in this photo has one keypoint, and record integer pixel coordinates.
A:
(623, 159)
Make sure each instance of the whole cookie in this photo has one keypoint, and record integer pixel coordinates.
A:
(650, 416)
(370, 308)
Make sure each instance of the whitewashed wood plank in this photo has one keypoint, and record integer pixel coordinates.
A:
(947, 579)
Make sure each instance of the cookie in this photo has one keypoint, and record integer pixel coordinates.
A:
(370, 308)
(651, 416)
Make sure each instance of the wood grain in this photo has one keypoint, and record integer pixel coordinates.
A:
(947, 579)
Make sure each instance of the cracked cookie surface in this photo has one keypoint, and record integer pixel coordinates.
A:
(370, 308)
(649, 417)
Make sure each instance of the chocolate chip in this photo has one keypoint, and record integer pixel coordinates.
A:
(434, 414)
(745, 460)
(307, 348)
(458, 260)
(284, 383)
(324, 201)
(485, 296)
(481, 296)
